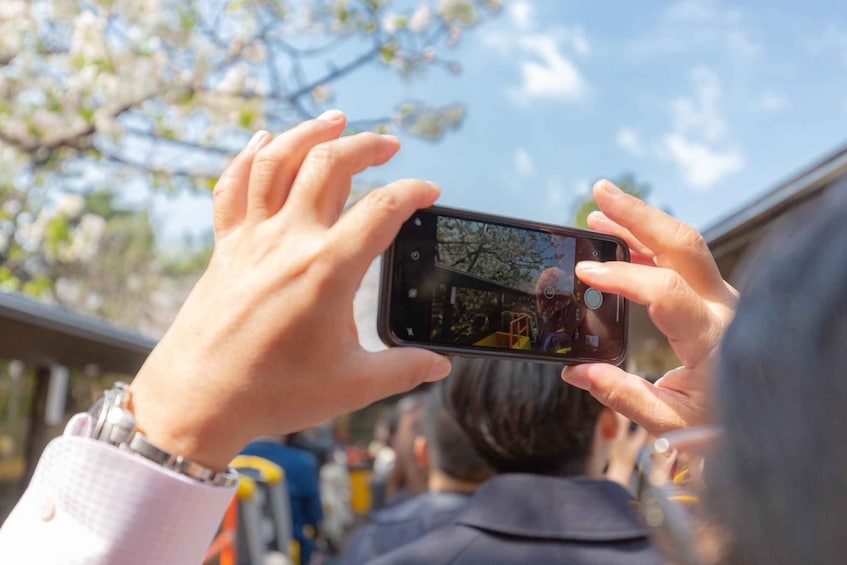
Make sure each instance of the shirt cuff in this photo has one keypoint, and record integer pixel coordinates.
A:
(90, 502)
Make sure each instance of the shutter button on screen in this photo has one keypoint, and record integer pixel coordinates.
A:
(593, 298)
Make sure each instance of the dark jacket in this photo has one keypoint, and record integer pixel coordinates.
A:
(403, 523)
(302, 480)
(518, 518)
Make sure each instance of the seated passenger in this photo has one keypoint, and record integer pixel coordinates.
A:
(549, 443)
(455, 472)
(407, 478)
(301, 480)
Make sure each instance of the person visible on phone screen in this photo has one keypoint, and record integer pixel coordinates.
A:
(558, 313)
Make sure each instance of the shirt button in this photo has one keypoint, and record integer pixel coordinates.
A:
(47, 509)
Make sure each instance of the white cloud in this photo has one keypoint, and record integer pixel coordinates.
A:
(698, 129)
(576, 37)
(547, 72)
(773, 102)
(520, 13)
(543, 56)
(629, 140)
(701, 165)
(697, 141)
(700, 113)
(523, 162)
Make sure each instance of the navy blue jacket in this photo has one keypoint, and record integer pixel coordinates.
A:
(517, 518)
(403, 523)
(302, 479)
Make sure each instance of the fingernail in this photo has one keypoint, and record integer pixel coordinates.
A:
(589, 267)
(434, 185)
(390, 137)
(257, 141)
(573, 377)
(608, 187)
(331, 115)
(439, 370)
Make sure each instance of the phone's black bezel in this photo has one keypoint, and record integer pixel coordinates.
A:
(388, 337)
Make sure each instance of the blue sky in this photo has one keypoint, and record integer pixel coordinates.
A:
(710, 102)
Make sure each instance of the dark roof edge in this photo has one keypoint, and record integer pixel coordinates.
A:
(798, 187)
(26, 310)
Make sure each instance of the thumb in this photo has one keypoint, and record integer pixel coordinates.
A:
(400, 369)
(630, 395)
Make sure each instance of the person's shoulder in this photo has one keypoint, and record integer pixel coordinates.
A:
(420, 507)
(301, 456)
(442, 545)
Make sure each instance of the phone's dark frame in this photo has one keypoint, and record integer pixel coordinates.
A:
(387, 275)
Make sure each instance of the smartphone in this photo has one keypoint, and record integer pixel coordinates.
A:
(471, 284)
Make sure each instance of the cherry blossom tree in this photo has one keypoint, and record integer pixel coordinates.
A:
(103, 96)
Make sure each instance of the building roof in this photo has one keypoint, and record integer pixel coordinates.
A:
(739, 227)
(40, 333)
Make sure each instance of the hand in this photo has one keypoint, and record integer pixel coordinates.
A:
(674, 274)
(623, 452)
(265, 342)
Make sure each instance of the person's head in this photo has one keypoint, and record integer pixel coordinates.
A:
(521, 418)
(779, 474)
(446, 450)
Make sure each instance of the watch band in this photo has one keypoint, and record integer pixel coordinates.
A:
(115, 425)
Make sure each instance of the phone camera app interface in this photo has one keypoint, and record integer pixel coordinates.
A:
(505, 288)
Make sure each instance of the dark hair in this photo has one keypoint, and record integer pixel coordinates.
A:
(450, 450)
(779, 477)
(521, 417)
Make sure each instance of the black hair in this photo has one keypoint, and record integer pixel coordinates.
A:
(779, 476)
(521, 417)
(450, 450)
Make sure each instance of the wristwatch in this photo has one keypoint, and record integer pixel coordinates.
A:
(114, 424)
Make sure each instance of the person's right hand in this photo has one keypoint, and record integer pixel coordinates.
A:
(675, 276)
(266, 342)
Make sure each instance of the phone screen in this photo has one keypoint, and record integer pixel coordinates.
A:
(467, 283)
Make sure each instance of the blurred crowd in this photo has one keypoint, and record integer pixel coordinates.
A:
(503, 454)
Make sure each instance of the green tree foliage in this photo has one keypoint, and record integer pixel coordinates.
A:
(628, 183)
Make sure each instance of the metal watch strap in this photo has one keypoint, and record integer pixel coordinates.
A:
(115, 424)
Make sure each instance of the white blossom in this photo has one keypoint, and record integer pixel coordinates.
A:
(322, 94)
(460, 11)
(87, 39)
(46, 122)
(94, 301)
(70, 205)
(421, 19)
(63, 10)
(67, 290)
(12, 207)
(13, 9)
(391, 23)
(86, 237)
(233, 81)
